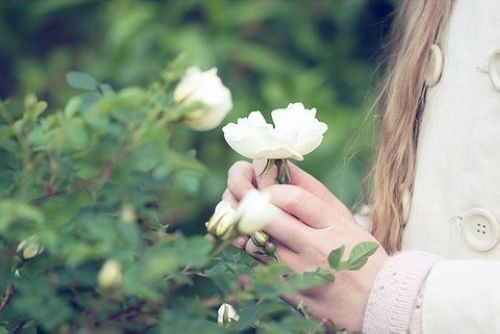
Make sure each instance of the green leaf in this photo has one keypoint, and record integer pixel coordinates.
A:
(171, 322)
(81, 81)
(335, 257)
(37, 299)
(248, 315)
(35, 110)
(360, 254)
(106, 89)
(13, 210)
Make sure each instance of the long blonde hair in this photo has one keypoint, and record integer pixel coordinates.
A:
(418, 25)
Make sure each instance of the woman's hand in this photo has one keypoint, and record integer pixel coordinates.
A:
(310, 223)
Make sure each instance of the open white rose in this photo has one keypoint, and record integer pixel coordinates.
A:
(205, 88)
(226, 314)
(254, 212)
(296, 132)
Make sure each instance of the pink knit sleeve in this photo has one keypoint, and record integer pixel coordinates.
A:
(397, 293)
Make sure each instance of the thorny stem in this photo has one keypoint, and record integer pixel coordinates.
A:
(282, 171)
(220, 248)
(6, 297)
(127, 312)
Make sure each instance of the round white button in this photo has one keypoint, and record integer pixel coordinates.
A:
(435, 66)
(480, 229)
(494, 68)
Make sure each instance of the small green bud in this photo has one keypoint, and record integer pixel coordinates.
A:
(259, 238)
(270, 248)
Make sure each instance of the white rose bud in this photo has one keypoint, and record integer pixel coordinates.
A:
(254, 212)
(128, 214)
(29, 248)
(227, 314)
(205, 88)
(222, 222)
(296, 132)
(110, 275)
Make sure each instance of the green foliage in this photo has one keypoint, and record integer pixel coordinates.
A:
(357, 258)
(271, 52)
(112, 174)
(83, 243)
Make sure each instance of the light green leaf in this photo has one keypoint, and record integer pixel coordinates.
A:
(10, 211)
(106, 89)
(81, 81)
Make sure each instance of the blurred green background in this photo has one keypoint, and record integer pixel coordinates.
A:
(268, 52)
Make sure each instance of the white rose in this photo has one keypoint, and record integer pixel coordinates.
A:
(227, 314)
(222, 221)
(110, 275)
(296, 133)
(254, 212)
(208, 89)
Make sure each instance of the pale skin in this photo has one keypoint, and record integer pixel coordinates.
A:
(309, 224)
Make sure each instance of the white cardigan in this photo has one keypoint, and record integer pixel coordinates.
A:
(455, 207)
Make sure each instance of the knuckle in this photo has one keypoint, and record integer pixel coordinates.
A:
(238, 167)
(290, 195)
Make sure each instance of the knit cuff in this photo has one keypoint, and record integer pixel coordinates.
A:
(393, 297)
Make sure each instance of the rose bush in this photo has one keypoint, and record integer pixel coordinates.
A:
(84, 247)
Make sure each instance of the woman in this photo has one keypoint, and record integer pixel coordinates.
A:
(436, 187)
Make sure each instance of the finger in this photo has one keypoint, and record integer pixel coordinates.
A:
(229, 197)
(240, 242)
(305, 180)
(307, 207)
(298, 177)
(294, 300)
(288, 231)
(240, 179)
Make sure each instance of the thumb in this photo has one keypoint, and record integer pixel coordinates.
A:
(267, 179)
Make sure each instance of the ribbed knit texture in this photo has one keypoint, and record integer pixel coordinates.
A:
(394, 298)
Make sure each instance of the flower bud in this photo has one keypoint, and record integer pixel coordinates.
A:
(254, 212)
(259, 238)
(222, 222)
(270, 248)
(29, 248)
(227, 314)
(127, 214)
(110, 275)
